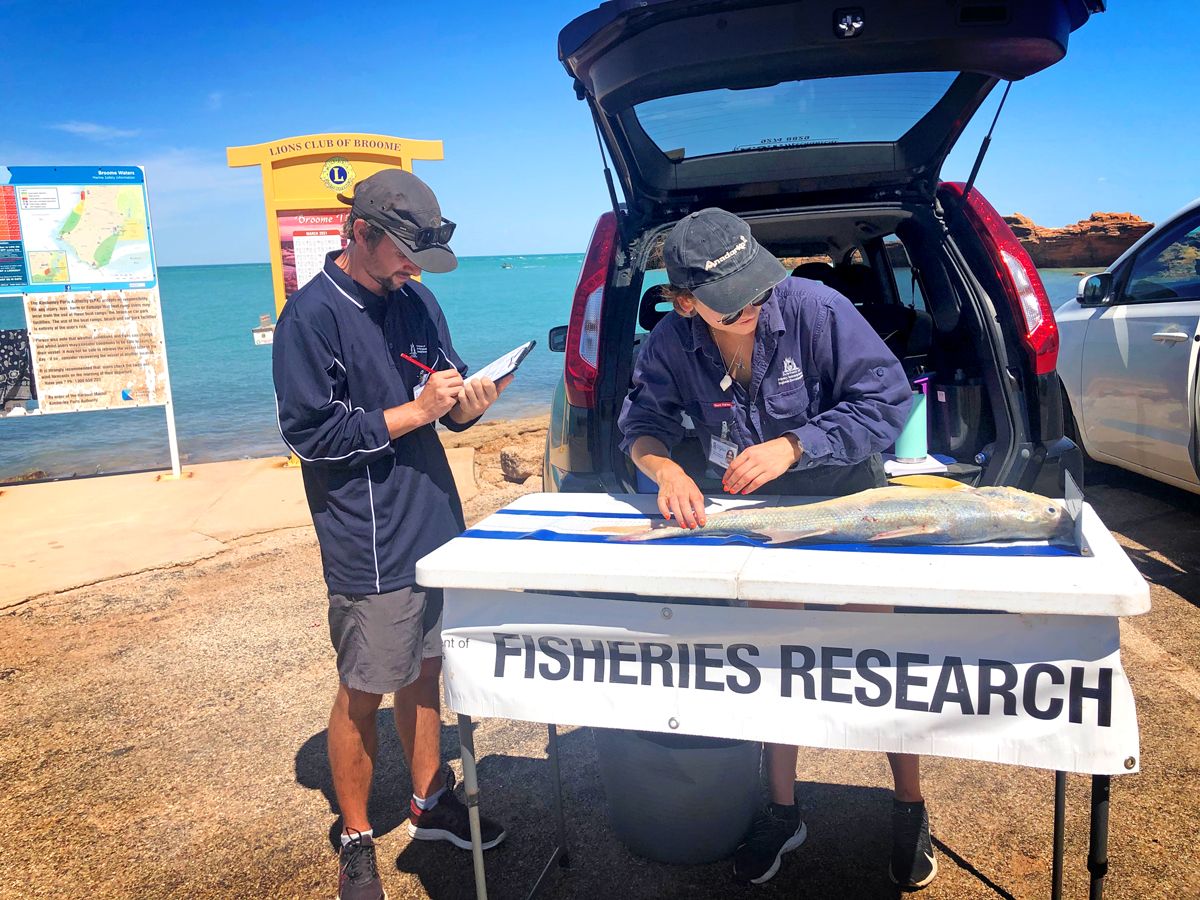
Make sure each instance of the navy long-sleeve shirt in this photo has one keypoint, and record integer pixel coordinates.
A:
(819, 372)
(378, 505)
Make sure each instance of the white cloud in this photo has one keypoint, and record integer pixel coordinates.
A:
(94, 132)
(200, 176)
(214, 100)
(202, 210)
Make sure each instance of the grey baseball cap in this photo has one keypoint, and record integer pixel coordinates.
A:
(404, 206)
(713, 254)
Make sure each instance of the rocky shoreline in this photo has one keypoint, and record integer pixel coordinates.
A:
(1094, 242)
(507, 462)
(1091, 243)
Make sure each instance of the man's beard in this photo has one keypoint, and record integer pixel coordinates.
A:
(392, 282)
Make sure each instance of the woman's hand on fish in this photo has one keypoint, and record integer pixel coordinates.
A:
(756, 465)
(679, 497)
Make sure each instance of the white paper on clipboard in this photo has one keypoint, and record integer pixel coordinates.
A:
(505, 365)
(495, 370)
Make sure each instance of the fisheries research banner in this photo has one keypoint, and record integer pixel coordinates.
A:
(1029, 690)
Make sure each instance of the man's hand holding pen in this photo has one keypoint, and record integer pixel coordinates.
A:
(448, 393)
(440, 394)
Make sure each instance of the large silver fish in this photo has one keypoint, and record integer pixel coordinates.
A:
(903, 515)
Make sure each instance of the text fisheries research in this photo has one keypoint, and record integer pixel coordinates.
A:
(999, 683)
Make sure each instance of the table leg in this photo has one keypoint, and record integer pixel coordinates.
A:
(1098, 842)
(560, 855)
(1060, 812)
(466, 740)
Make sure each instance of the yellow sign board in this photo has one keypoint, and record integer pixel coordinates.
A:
(302, 177)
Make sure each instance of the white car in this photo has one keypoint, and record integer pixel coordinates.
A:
(1128, 356)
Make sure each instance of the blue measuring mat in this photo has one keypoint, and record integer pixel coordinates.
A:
(548, 535)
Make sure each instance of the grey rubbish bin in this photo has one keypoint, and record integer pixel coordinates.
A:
(677, 798)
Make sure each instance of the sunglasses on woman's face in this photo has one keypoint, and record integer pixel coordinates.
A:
(732, 318)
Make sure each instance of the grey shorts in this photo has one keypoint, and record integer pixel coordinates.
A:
(381, 639)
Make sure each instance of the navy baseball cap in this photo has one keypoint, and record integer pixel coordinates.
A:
(713, 254)
(406, 208)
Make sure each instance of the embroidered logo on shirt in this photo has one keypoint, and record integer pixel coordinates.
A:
(737, 248)
(417, 350)
(722, 406)
(791, 372)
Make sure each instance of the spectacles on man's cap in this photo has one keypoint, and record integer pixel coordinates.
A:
(732, 318)
(424, 238)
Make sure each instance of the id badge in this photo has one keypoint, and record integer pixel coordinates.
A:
(721, 453)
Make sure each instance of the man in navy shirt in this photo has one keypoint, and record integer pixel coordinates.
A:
(357, 403)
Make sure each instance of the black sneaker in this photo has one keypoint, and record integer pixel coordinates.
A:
(358, 876)
(775, 831)
(913, 865)
(448, 821)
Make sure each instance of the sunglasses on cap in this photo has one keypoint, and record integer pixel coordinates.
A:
(424, 238)
(732, 318)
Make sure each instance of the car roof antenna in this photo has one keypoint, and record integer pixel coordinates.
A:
(983, 148)
(612, 190)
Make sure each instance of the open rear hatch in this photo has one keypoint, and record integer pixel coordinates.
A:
(718, 102)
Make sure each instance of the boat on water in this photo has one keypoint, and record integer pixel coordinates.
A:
(505, 265)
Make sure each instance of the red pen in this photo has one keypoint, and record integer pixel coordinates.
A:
(415, 363)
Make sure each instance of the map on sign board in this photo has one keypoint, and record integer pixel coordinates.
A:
(74, 228)
(97, 349)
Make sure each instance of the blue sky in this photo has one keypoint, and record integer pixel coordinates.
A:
(1113, 127)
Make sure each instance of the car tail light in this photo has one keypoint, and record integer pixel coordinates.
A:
(582, 369)
(1019, 276)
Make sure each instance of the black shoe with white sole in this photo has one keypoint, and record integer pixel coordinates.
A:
(775, 831)
(913, 864)
(358, 875)
(449, 821)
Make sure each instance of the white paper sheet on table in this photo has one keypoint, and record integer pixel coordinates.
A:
(930, 465)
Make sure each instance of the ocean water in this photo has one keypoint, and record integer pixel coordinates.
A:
(224, 403)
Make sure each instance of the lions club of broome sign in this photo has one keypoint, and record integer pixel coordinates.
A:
(302, 177)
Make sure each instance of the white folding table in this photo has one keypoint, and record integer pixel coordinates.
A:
(712, 638)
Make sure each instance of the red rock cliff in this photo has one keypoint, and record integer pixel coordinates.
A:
(1094, 242)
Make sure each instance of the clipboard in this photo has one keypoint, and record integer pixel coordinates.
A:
(506, 364)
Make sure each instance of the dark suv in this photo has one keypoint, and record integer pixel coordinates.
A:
(825, 127)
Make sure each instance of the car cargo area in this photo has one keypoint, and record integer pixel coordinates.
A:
(900, 268)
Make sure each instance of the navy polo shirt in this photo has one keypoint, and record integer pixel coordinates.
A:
(378, 505)
(819, 372)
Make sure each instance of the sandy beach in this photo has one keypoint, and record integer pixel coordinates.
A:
(162, 734)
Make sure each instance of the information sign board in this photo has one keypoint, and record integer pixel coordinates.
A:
(97, 350)
(74, 228)
(304, 239)
(75, 243)
(302, 177)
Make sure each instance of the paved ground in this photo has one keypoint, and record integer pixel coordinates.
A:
(67, 533)
(162, 736)
(73, 532)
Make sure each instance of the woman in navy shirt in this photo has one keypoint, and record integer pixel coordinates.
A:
(791, 392)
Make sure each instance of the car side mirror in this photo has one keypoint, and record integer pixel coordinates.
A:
(1095, 290)
(558, 339)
